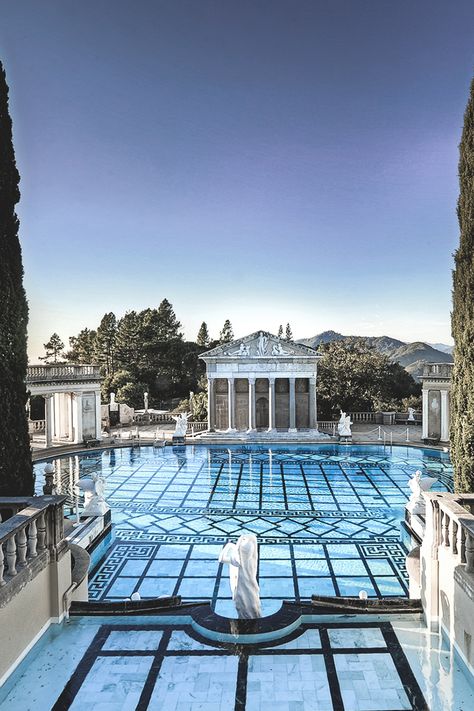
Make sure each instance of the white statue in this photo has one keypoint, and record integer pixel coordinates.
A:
(242, 558)
(262, 344)
(181, 424)
(94, 490)
(145, 401)
(277, 349)
(411, 414)
(418, 484)
(344, 425)
(244, 350)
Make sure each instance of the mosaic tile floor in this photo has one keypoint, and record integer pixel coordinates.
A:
(327, 518)
(144, 663)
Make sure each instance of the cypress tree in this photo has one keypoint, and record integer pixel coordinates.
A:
(462, 320)
(280, 331)
(288, 333)
(16, 471)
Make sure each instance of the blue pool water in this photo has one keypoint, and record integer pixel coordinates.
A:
(327, 518)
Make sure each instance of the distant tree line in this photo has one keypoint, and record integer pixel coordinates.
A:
(142, 351)
(146, 351)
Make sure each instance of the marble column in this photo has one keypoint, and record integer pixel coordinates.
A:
(211, 420)
(313, 422)
(98, 416)
(252, 410)
(271, 404)
(444, 416)
(77, 417)
(48, 419)
(230, 404)
(71, 417)
(292, 405)
(425, 413)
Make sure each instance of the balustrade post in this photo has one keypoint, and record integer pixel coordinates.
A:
(462, 546)
(41, 533)
(11, 556)
(32, 539)
(21, 547)
(454, 536)
(2, 581)
(469, 553)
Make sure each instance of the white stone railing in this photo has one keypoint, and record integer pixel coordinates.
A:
(36, 524)
(196, 427)
(329, 426)
(363, 416)
(55, 371)
(162, 417)
(453, 527)
(36, 426)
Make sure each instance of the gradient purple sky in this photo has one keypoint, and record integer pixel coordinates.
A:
(263, 161)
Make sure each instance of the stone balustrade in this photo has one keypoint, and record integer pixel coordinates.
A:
(54, 371)
(453, 527)
(445, 577)
(362, 416)
(329, 426)
(36, 426)
(30, 528)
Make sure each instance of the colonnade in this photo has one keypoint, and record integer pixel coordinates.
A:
(64, 416)
(271, 394)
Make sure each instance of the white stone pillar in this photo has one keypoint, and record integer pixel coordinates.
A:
(230, 404)
(71, 417)
(211, 420)
(313, 422)
(48, 418)
(252, 409)
(444, 416)
(424, 414)
(98, 416)
(271, 404)
(292, 406)
(77, 417)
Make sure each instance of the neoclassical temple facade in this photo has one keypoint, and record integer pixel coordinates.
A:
(263, 383)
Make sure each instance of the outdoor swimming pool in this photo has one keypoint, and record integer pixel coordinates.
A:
(327, 518)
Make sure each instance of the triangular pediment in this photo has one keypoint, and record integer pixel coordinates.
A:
(260, 344)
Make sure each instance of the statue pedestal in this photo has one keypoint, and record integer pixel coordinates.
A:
(345, 439)
(177, 439)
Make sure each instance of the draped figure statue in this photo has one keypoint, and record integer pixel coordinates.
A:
(242, 558)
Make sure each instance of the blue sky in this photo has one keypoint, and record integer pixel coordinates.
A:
(263, 161)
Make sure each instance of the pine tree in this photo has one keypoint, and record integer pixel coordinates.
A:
(168, 324)
(16, 471)
(54, 348)
(82, 347)
(227, 334)
(288, 333)
(105, 346)
(203, 335)
(128, 344)
(280, 331)
(462, 321)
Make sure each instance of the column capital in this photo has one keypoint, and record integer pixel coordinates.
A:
(252, 381)
(48, 396)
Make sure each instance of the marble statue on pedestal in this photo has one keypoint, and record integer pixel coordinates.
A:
(344, 425)
(242, 558)
(418, 484)
(94, 490)
(181, 424)
(411, 414)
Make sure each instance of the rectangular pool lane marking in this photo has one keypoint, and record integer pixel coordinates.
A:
(305, 482)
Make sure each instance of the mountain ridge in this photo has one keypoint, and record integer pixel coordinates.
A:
(412, 356)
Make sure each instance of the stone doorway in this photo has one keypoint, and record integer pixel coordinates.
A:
(262, 413)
